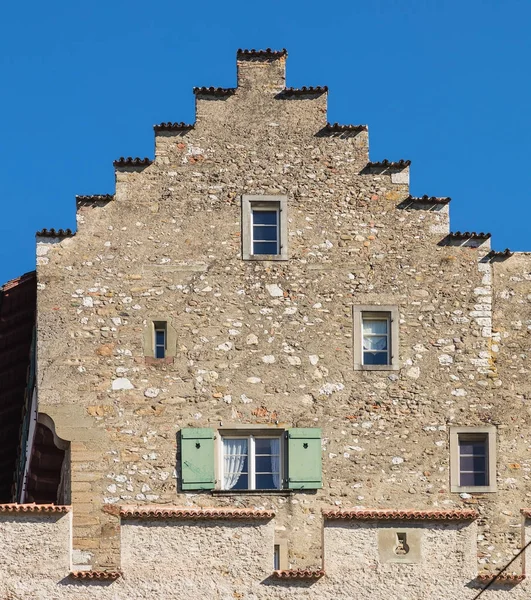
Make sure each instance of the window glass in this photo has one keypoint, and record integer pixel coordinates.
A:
(473, 462)
(265, 231)
(375, 341)
(251, 463)
(160, 343)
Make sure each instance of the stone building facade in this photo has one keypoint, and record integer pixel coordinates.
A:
(274, 373)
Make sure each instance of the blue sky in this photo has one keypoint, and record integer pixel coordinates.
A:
(443, 83)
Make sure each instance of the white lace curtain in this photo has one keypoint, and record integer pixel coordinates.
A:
(234, 455)
(275, 462)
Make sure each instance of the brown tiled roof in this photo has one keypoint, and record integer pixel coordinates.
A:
(97, 575)
(379, 514)
(428, 199)
(336, 127)
(501, 254)
(526, 512)
(132, 162)
(502, 578)
(134, 512)
(469, 235)
(169, 126)
(214, 91)
(400, 164)
(95, 198)
(299, 574)
(319, 89)
(55, 233)
(33, 508)
(267, 53)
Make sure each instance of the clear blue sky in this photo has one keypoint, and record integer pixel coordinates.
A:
(444, 83)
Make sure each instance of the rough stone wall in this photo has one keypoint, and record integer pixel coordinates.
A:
(227, 560)
(268, 342)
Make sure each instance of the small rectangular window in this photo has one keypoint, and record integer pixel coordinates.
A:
(276, 558)
(375, 337)
(264, 228)
(473, 459)
(160, 340)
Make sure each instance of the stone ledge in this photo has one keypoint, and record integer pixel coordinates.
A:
(305, 574)
(96, 575)
(34, 508)
(504, 578)
(401, 515)
(155, 512)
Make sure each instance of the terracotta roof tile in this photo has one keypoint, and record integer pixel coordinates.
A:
(299, 574)
(157, 512)
(12, 283)
(169, 126)
(33, 508)
(501, 254)
(55, 233)
(508, 578)
(526, 512)
(214, 91)
(402, 515)
(469, 235)
(336, 127)
(267, 53)
(400, 164)
(132, 162)
(95, 198)
(305, 90)
(96, 575)
(428, 199)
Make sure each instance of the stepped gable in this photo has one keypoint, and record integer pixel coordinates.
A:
(428, 199)
(337, 128)
(95, 198)
(214, 91)
(501, 253)
(389, 164)
(18, 300)
(468, 235)
(290, 91)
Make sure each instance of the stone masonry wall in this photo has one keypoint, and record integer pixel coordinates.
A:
(272, 342)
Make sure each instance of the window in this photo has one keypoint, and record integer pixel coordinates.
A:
(160, 340)
(244, 459)
(264, 228)
(375, 337)
(276, 558)
(473, 459)
(251, 463)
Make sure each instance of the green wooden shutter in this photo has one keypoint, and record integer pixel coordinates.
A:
(197, 459)
(304, 459)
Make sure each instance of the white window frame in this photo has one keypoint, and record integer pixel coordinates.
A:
(489, 434)
(251, 437)
(376, 312)
(256, 203)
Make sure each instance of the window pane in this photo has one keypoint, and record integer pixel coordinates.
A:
(265, 248)
(472, 479)
(472, 448)
(263, 464)
(375, 358)
(472, 463)
(159, 352)
(268, 482)
(265, 217)
(267, 445)
(265, 232)
(160, 337)
(242, 483)
(375, 326)
(375, 342)
(235, 464)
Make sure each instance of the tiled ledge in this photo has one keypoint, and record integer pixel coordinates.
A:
(33, 508)
(96, 575)
(401, 515)
(504, 578)
(159, 512)
(301, 574)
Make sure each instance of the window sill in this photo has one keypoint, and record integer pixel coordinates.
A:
(275, 257)
(150, 360)
(376, 368)
(253, 492)
(483, 489)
